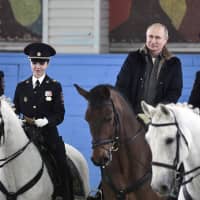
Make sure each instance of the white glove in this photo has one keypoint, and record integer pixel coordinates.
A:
(21, 122)
(41, 122)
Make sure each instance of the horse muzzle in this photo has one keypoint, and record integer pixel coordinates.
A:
(102, 158)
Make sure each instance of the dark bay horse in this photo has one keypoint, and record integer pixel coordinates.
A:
(119, 145)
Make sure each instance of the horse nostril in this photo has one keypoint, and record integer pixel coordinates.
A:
(101, 162)
(164, 188)
(94, 162)
(105, 160)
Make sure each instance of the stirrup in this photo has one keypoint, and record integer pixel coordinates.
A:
(95, 195)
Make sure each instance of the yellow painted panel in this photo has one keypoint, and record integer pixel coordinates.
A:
(26, 12)
(175, 9)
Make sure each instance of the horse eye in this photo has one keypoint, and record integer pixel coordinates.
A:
(169, 141)
(107, 119)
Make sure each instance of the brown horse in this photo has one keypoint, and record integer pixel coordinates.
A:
(119, 145)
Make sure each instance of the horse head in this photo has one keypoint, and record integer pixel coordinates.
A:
(103, 121)
(170, 143)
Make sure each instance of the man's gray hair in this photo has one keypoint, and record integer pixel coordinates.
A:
(160, 25)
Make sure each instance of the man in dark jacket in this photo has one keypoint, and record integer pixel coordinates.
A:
(40, 98)
(194, 98)
(151, 73)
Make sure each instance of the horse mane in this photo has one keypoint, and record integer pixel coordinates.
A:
(187, 106)
(7, 100)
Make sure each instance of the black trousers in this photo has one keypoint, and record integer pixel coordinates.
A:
(50, 139)
(55, 145)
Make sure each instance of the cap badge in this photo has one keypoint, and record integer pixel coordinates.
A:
(38, 53)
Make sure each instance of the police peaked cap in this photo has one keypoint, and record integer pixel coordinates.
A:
(39, 51)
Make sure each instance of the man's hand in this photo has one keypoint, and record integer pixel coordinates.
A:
(41, 122)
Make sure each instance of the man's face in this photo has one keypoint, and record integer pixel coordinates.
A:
(38, 67)
(156, 39)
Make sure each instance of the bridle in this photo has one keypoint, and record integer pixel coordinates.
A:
(6, 160)
(176, 162)
(115, 142)
(179, 134)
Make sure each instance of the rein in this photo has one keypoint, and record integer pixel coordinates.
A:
(14, 155)
(121, 193)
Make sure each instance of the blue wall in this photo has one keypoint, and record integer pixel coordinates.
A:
(87, 71)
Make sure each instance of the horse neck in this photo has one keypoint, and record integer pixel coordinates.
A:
(134, 150)
(15, 137)
(27, 163)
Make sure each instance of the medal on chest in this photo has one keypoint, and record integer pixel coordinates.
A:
(48, 95)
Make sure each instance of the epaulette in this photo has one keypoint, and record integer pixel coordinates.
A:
(27, 81)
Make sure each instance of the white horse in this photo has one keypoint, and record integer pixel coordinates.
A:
(174, 135)
(23, 175)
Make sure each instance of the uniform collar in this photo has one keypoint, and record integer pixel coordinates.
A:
(34, 79)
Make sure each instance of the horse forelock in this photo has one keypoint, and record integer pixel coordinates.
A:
(161, 114)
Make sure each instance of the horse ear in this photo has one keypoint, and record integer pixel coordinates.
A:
(106, 92)
(164, 109)
(81, 91)
(148, 109)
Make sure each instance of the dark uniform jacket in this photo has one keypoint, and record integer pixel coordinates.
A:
(130, 80)
(194, 98)
(46, 102)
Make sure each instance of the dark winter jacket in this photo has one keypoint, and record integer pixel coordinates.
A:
(130, 80)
